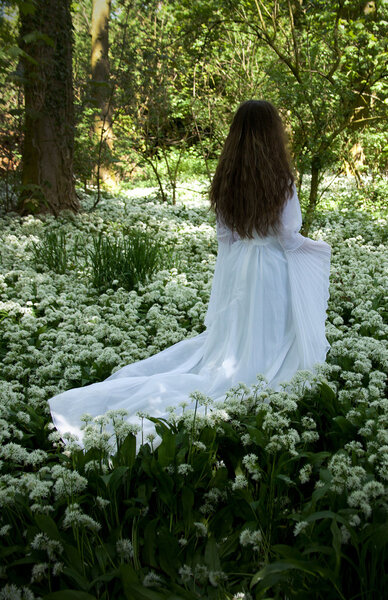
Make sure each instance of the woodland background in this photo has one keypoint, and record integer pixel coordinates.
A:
(99, 92)
(112, 117)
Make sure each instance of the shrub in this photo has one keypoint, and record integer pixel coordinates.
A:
(126, 261)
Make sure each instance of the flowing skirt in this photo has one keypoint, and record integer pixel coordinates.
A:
(266, 315)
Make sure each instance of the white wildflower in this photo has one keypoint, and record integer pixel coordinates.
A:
(184, 469)
(124, 549)
(201, 529)
(39, 572)
(186, 573)
(299, 527)
(152, 579)
(5, 530)
(253, 538)
(240, 482)
(217, 577)
(74, 517)
(305, 473)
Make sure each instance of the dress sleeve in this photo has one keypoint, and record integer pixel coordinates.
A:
(291, 222)
(309, 272)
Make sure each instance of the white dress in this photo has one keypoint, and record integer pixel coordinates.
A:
(266, 315)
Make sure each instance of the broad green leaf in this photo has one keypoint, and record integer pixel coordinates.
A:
(280, 566)
(69, 595)
(187, 496)
(127, 452)
(77, 577)
(166, 450)
(150, 540)
(48, 526)
(336, 545)
(212, 558)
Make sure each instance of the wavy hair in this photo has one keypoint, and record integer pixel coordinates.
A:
(253, 178)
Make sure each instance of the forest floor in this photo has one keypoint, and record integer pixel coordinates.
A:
(62, 326)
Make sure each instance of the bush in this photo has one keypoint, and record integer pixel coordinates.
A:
(122, 261)
(267, 495)
(126, 261)
(51, 251)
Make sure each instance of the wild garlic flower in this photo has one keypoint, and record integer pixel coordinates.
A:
(305, 473)
(152, 579)
(185, 573)
(250, 462)
(124, 549)
(299, 527)
(182, 541)
(184, 469)
(240, 482)
(102, 502)
(12, 592)
(41, 541)
(74, 517)
(217, 578)
(68, 483)
(57, 568)
(39, 572)
(251, 538)
(201, 529)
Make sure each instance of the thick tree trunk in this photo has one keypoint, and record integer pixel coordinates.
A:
(100, 87)
(47, 156)
(313, 197)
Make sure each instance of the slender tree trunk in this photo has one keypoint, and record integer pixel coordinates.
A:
(100, 87)
(313, 197)
(47, 155)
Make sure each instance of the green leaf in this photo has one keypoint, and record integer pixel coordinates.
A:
(127, 452)
(187, 496)
(324, 514)
(48, 526)
(150, 542)
(10, 550)
(336, 545)
(212, 558)
(135, 591)
(165, 483)
(114, 479)
(35, 36)
(286, 479)
(344, 424)
(128, 577)
(77, 577)
(27, 8)
(166, 450)
(282, 566)
(105, 577)
(69, 595)
(327, 394)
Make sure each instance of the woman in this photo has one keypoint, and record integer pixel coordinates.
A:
(267, 308)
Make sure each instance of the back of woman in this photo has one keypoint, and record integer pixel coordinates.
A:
(267, 309)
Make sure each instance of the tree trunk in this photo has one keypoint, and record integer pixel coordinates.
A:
(47, 155)
(313, 197)
(100, 87)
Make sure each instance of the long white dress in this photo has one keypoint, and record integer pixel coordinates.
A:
(266, 315)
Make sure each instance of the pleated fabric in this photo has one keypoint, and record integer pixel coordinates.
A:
(266, 315)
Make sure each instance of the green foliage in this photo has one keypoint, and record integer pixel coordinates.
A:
(126, 261)
(51, 251)
(123, 261)
(273, 495)
(208, 516)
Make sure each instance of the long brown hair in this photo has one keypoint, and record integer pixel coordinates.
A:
(253, 178)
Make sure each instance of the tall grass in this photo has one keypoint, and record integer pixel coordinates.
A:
(51, 251)
(124, 261)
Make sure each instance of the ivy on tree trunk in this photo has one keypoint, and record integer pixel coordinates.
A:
(47, 177)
